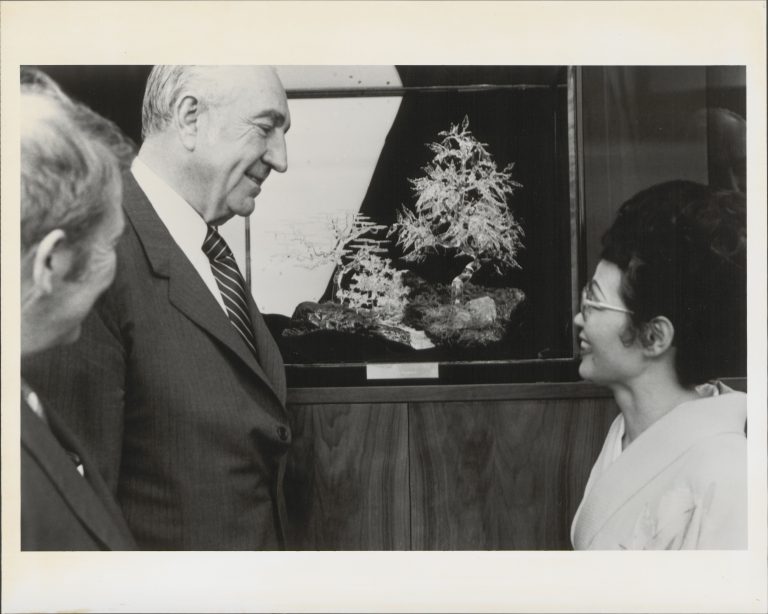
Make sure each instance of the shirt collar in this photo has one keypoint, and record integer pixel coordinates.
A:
(33, 401)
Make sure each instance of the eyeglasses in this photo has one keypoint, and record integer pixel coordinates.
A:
(588, 304)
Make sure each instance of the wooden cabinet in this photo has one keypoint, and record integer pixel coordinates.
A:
(491, 467)
(347, 479)
(501, 474)
(441, 468)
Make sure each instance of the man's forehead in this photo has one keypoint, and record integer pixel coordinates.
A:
(262, 77)
(252, 92)
(234, 73)
(267, 103)
(245, 80)
(263, 85)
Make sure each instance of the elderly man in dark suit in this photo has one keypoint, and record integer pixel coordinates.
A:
(70, 224)
(176, 382)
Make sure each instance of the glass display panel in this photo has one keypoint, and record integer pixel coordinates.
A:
(485, 274)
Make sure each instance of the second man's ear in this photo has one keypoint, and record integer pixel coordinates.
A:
(53, 262)
(186, 117)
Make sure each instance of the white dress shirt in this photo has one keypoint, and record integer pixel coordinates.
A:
(33, 402)
(184, 224)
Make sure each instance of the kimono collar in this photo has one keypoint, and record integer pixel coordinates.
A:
(656, 448)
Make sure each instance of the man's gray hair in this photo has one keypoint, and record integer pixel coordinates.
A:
(71, 165)
(165, 85)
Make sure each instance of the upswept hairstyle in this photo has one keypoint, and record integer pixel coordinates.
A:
(682, 249)
(71, 164)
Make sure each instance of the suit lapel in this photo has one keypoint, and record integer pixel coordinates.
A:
(186, 290)
(269, 354)
(100, 516)
(652, 453)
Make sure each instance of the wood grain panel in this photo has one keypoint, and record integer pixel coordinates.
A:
(502, 474)
(463, 392)
(347, 478)
(468, 392)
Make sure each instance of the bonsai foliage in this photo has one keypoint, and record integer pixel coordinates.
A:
(350, 241)
(376, 287)
(461, 208)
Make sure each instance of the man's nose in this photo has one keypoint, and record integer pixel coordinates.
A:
(276, 155)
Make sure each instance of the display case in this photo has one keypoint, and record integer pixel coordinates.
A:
(436, 222)
(427, 229)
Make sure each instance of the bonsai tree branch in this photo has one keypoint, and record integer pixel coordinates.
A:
(461, 208)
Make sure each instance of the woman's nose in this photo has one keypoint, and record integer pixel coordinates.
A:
(578, 319)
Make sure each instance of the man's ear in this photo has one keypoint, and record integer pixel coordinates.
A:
(658, 336)
(186, 116)
(53, 261)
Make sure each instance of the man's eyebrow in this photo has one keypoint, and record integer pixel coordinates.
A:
(277, 118)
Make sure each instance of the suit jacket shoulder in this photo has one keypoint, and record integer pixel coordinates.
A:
(60, 509)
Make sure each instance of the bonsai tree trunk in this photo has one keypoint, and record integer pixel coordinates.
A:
(337, 281)
(457, 285)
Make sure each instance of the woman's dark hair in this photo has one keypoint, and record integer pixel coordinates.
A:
(682, 249)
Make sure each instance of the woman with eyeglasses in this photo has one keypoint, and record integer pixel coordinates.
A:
(663, 316)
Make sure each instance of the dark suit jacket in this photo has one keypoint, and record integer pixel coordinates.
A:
(60, 509)
(189, 430)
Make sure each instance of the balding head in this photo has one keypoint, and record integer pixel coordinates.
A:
(209, 85)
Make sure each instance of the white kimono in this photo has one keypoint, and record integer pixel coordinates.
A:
(682, 484)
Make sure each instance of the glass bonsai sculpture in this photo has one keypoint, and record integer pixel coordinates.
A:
(375, 286)
(368, 296)
(351, 243)
(461, 209)
(460, 212)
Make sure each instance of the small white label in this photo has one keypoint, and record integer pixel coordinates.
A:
(403, 370)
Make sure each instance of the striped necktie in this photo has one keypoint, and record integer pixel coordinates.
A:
(231, 285)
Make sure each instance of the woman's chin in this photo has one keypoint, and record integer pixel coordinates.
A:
(585, 370)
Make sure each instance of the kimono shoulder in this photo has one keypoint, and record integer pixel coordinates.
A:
(681, 485)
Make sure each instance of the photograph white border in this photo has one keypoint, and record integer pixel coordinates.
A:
(579, 33)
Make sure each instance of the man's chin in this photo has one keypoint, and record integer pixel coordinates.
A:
(243, 208)
(247, 206)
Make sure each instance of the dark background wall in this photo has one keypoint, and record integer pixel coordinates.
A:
(115, 92)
